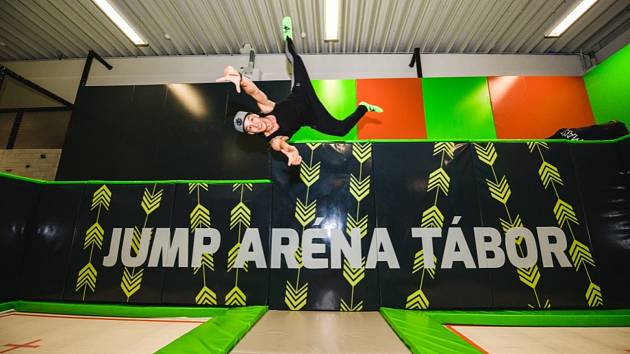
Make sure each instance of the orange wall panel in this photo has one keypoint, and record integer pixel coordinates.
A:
(533, 107)
(401, 100)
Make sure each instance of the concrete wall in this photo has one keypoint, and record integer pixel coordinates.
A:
(33, 163)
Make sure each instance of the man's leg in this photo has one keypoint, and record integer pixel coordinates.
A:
(315, 111)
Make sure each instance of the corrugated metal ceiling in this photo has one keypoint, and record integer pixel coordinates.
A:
(46, 29)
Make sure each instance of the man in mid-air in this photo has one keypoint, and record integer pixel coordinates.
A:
(277, 122)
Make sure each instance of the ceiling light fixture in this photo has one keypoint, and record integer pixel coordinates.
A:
(570, 17)
(113, 15)
(331, 21)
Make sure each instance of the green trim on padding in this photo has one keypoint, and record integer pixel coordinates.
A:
(5, 306)
(173, 181)
(424, 331)
(219, 334)
(470, 141)
(112, 310)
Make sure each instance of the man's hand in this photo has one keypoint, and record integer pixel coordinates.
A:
(293, 155)
(231, 75)
(279, 143)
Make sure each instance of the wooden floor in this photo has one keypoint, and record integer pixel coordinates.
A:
(544, 340)
(320, 332)
(24, 333)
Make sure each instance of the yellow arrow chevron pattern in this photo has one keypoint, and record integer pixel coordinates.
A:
(361, 224)
(298, 257)
(199, 217)
(235, 297)
(500, 191)
(439, 180)
(305, 213)
(205, 296)
(193, 187)
(549, 174)
(353, 276)
(94, 236)
(232, 255)
(151, 201)
(507, 225)
(580, 255)
(418, 264)
(309, 174)
(529, 276)
(240, 215)
(207, 261)
(487, 154)
(362, 151)
(102, 197)
(432, 217)
(594, 295)
(564, 213)
(135, 240)
(444, 147)
(295, 298)
(533, 144)
(359, 188)
(417, 301)
(313, 146)
(87, 278)
(131, 283)
(344, 307)
(236, 186)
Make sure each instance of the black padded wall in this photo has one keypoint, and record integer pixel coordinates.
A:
(18, 204)
(604, 187)
(56, 237)
(104, 208)
(332, 190)
(158, 132)
(48, 244)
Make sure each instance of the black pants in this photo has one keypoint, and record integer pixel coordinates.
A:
(315, 111)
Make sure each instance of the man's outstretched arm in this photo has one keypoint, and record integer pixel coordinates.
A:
(249, 87)
(279, 143)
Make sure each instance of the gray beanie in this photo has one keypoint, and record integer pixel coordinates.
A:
(239, 121)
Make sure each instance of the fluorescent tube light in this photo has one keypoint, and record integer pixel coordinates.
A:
(331, 9)
(113, 15)
(571, 17)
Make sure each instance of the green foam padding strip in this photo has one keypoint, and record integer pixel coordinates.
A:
(458, 108)
(113, 310)
(5, 306)
(473, 141)
(219, 334)
(174, 181)
(424, 331)
(608, 88)
(340, 99)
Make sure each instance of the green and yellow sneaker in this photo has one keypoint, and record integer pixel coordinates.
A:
(287, 28)
(371, 107)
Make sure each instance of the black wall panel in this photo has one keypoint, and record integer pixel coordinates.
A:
(230, 209)
(111, 206)
(603, 184)
(537, 188)
(17, 206)
(428, 185)
(49, 242)
(54, 237)
(319, 194)
(158, 132)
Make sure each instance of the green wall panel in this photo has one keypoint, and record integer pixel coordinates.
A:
(458, 108)
(340, 98)
(608, 88)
